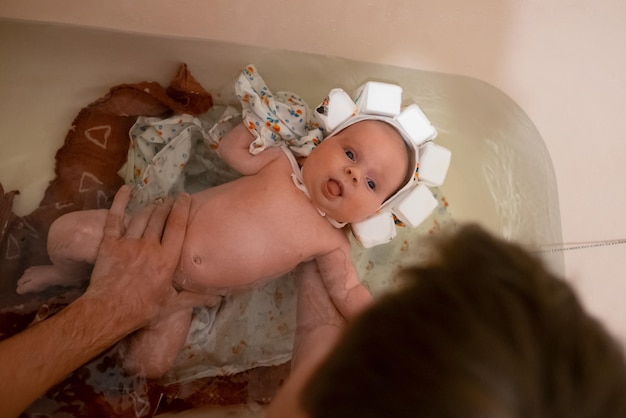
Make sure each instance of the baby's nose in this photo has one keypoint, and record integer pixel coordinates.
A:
(354, 174)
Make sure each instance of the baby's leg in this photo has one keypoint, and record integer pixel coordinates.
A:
(73, 242)
(152, 350)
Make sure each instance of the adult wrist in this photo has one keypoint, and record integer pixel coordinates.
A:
(116, 317)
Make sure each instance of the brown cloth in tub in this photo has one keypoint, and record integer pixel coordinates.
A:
(95, 148)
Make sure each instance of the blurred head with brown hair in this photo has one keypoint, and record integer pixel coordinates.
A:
(483, 331)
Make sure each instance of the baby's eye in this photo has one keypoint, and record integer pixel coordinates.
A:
(371, 184)
(350, 154)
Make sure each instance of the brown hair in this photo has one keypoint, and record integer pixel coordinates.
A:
(485, 331)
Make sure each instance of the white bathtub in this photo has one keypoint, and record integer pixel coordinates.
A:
(501, 174)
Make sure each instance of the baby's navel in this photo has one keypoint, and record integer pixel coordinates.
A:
(197, 260)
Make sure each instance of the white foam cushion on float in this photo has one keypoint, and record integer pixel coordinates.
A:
(416, 124)
(375, 230)
(340, 108)
(376, 98)
(415, 206)
(434, 161)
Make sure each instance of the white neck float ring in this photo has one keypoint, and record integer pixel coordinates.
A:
(429, 162)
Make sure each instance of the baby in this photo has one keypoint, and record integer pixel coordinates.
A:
(256, 228)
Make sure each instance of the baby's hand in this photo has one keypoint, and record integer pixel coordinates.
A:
(234, 149)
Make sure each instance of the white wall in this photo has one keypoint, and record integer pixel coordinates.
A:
(563, 61)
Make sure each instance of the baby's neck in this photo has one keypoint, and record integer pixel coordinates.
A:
(297, 166)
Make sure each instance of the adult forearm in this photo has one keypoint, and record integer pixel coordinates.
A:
(62, 344)
(130, 284)
(319, 326)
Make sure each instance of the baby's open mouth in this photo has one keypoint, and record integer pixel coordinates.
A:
(334, 188)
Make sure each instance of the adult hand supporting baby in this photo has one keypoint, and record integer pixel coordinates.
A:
(318, 327)
(130, 284)
(137, 259)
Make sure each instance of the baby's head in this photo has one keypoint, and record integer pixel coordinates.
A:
(375, 118)
(356, 169)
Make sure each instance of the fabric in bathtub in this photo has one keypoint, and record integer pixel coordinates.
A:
(242, 355)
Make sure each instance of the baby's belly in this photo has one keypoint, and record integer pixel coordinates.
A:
(238, 235)
(223, 272)
(218, 258)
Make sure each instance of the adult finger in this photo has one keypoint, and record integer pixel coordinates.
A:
(176, 227)
(156, 223)
(186, 299)
(114, 226)
(139, 221)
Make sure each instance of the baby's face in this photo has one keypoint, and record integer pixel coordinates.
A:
(350, 174)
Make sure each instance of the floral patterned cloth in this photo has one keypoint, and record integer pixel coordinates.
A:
(256, 327)
(164, 152)
(275, 118)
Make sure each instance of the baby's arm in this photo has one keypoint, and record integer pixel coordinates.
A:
(234, 149)
(340, 277)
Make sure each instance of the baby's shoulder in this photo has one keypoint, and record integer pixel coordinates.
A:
(326, 238)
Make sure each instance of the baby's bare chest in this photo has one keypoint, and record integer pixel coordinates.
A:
(253, 229)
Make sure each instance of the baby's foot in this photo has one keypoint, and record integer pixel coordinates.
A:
(38, 278)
